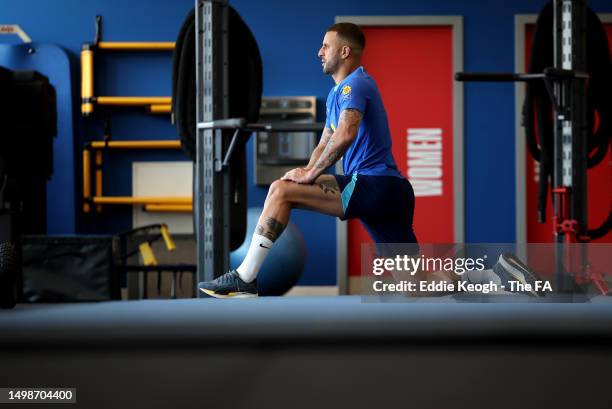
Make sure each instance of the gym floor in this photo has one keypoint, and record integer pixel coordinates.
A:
(279, 352)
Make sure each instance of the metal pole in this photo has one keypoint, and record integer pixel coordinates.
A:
(569, 133)
(211, 184)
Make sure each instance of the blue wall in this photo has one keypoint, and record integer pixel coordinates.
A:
(289, 34)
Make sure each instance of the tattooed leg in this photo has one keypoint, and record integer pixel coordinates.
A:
(262, 241)
(275, 215)
(272, 222)
(270, 228)
(329, 187)
(323, 196)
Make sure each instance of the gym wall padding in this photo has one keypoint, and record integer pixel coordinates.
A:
(53, 62)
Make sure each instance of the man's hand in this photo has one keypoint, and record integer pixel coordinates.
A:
(300, 175)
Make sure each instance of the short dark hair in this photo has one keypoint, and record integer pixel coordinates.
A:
(350, 32)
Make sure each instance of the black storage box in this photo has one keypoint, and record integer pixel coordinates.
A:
(69, 268)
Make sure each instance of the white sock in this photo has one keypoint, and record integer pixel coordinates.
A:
(258, 250)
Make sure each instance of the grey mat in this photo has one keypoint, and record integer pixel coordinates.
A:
(303, 319)
(311, 352)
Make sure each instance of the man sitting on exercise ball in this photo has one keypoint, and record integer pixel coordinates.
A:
(372, 189)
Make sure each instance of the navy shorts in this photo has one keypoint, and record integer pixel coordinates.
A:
(384, 204)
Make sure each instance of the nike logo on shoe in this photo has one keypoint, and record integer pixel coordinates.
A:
(261, 245)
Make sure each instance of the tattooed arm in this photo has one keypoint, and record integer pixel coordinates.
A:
(327, 133)
(338, 143)
(341, 139)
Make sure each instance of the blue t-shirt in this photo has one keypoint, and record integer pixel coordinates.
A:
(370, 152)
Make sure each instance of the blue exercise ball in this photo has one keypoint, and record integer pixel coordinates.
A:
(284, 264)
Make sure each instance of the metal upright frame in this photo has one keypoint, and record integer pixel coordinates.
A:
(566, 85)
(212, 183)
(570, 134)
(214, 146)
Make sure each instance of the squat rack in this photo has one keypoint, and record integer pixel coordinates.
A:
(566, 86)
(217, 138)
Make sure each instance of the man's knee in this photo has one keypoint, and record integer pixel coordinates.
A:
(279, 190)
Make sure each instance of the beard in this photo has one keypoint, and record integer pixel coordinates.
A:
(331, 65)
